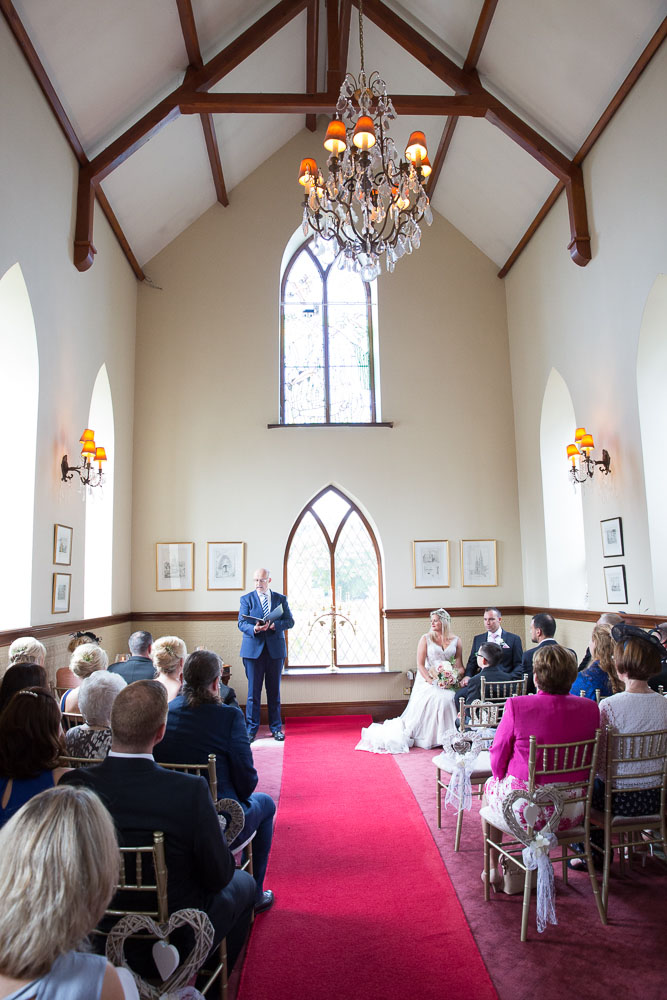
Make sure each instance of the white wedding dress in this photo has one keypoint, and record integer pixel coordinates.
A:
(430, 712)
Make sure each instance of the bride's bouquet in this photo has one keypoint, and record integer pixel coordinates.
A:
(445, 676)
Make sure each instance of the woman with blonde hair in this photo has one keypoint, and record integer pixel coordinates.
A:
(85, 660)
(25, 649)
(601, 674)
(169, 654)
(65, 677)
(58, 870)
(431, 711)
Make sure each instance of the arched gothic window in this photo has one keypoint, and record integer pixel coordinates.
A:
(334, 581)
(327, 365)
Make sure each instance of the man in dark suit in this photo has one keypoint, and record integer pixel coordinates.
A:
(263, 650)
(542, 632)
(143, 797)
(139, 667)
(198, 724)
(510, 644)
(489, 656)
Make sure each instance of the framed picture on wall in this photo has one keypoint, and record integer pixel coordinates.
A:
(175, 566)
(62, 584)
(225, 565)
(612, 537)
(431, 563)
(478, 562)
(614, 581)
(62, 545)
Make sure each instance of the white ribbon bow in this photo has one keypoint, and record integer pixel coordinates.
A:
(536, 855)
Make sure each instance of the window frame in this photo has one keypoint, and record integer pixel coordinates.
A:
(331, 543)
(306, 247)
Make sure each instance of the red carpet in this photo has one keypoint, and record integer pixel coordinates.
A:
(364, 907)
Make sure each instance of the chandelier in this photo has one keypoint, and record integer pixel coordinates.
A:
(370, 203)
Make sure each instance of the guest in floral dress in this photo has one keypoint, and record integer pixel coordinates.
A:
(96, 696)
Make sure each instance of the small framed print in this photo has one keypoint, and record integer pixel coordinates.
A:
(614, 581)
(225, 566)
(431, 563)
(62, 545)
(62, 584)
(175, 566)
(479, 567)
(612, 537)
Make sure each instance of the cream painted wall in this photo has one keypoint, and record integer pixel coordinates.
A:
(585, 322)
(207, 386)
(81, 320)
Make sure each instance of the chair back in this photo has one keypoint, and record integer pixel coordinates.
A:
(65, 761)
(202, 770)
(636, 761)
(71, 719)
(500, 691)
(479, 714)
(142, 877)
(570, 766)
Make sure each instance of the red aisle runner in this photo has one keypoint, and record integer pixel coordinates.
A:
(364, 907)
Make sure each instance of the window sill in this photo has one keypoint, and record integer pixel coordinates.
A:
(374, 423)
(341, 672)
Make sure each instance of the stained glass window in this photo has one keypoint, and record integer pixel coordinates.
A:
(334, 585)
(327, 372)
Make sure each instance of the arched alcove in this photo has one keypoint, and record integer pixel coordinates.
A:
(652, 403)
(98, 575)
(563, 513)
(19, 401)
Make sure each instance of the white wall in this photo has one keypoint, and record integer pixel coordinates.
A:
(586, 323)
(207, 386)
(81, 321)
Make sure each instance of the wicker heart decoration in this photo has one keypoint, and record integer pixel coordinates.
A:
(468, 743)
(542, 795)
(136, 922)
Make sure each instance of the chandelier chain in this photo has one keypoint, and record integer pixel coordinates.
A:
(361, 33)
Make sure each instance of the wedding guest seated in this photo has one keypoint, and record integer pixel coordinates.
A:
(58, 870)
(65, 676)
(489, 656)
(607, 618)
(600, 675)
(139, 667)
(552, 715)
(96, 697)
(84, 661)
(25, 649)
(199, 724)
(635, 709)
(143, 797)
(30, 745)
(23, 675)
(660, 680)
(227, 693)
(168, 655)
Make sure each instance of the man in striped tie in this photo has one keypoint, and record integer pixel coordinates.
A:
(264, 616)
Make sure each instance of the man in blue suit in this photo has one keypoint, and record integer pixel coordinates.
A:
(263, 650)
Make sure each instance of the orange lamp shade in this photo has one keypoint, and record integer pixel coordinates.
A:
(100, 456)
(307, 172)
(572, 452)
(426, 167)
(88, 450)
(364, 133)
(587, 441)
(335, 140)
(578, 434)
(416, 150)
(87, 435)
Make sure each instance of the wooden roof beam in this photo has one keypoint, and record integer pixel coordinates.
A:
(334, 73)
(293, 104)
(312, 27)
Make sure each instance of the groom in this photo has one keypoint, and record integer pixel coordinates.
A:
(263, 650)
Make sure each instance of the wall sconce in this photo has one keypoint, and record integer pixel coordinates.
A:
(583, 446)
(90, 453)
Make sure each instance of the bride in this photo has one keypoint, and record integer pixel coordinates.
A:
(431, 710)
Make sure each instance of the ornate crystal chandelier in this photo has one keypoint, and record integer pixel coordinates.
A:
(370, 203)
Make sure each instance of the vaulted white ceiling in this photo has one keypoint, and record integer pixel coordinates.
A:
(556, 65)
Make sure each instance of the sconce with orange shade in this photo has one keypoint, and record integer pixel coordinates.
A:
(335, 141)
(572, 452)
(90, 452)
(582, 447)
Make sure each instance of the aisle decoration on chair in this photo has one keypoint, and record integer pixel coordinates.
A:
(459, 756)
(370, 203)
(538, 844)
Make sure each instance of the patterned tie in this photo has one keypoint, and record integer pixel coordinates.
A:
(265, 605)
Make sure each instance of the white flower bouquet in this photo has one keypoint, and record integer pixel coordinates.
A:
(445, 676)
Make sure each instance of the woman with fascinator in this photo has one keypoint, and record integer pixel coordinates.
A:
(431, 711)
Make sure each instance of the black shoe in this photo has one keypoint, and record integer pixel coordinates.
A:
(266, 902)
(280, 736)
(252, 737)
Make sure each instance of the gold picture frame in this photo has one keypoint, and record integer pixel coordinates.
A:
(61, 593)
(430, 563)
(225, 565)
(174, 566)
(62, 544)
(479, 562)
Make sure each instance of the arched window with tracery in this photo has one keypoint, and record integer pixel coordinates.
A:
(333, 576)
(327, 358)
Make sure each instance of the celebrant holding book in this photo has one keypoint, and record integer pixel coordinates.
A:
(264, 616)
(431, 711)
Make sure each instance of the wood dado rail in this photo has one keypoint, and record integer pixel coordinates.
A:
(391, 614)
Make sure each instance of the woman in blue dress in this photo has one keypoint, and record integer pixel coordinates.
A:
(601, 674)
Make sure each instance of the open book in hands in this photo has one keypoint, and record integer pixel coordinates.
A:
(272, 616)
